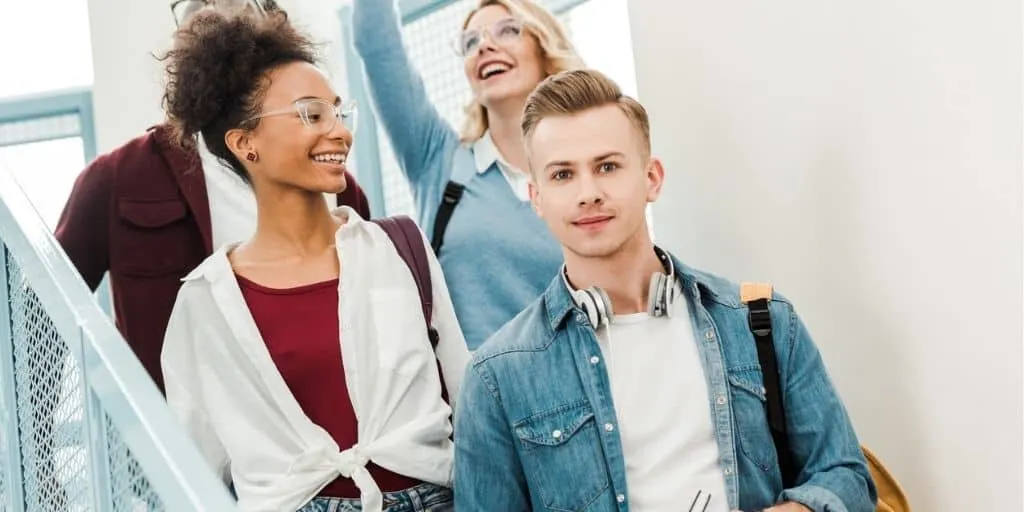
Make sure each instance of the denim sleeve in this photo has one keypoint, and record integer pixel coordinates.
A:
(421, 138)
(834, 475)
(488, 473)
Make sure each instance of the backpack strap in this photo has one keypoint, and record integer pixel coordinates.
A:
(408, 240)
(757, 296)
(404, 233)
(463, 167)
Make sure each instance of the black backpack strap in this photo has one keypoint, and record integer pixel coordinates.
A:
(452, 195)
(463, 169)
(760, 321)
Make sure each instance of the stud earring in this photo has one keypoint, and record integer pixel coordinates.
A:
(251, 157)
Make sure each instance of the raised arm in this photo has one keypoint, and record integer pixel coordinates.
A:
(421, 138)
(834, 473)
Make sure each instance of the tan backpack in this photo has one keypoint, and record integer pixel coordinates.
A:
(756, 296)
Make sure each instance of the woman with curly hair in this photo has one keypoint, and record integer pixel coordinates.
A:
(298, 359)
(471, 187)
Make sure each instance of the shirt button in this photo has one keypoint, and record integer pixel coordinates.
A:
(728, 470)
(608, 427)
(595, 359)
(721, 400)
(621, 498)
(709, 335)
(557, 434)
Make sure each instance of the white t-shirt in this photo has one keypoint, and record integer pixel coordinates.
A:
(661, 401)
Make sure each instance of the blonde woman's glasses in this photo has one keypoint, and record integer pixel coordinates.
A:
(502, 33)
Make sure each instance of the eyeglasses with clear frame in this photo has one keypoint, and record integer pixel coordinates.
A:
(503, 33)
(320, 116)
(184, 9)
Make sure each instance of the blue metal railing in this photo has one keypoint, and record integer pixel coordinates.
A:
(21, 111)
(82, 426)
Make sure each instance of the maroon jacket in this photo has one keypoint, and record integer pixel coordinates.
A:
(141, 212)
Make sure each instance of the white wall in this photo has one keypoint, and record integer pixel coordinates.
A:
(128, 79)
(126, 76)
(866, 158)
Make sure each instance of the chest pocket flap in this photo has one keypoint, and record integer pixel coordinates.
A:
(151, 214)
(555, 441)
(154, 239)
(555, 428)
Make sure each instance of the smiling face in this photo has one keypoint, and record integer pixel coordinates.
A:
(592, 180)
(505, 60)
(294, 146)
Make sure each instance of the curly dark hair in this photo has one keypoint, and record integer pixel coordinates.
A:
(216, 74)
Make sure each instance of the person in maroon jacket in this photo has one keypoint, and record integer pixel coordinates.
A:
(148, 212)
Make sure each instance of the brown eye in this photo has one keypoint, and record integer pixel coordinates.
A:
(562, 174)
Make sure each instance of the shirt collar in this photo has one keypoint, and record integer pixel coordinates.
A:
(695, 285)
(217, 266)
(485, 153)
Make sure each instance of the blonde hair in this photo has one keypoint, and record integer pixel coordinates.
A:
(572, 92)
(558, 53)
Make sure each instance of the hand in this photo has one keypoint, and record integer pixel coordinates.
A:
(789, 506)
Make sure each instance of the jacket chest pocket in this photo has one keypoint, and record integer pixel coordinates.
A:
(562, 455)
(751, 417)
(156, 238)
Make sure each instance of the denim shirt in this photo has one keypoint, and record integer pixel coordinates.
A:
(536, 427)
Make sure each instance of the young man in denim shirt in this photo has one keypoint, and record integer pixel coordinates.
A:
(633, 382)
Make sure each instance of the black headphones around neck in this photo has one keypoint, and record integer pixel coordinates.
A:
(598, 307)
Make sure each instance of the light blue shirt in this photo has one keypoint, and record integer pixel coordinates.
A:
(498, 255)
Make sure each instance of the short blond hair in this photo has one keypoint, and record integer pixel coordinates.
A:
(572, 92)
(558, 53)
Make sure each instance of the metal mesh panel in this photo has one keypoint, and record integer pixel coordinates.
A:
(130, 490)
(428, 41)
(4, 477)
(40, 128)
(59, 468)
(50, 403)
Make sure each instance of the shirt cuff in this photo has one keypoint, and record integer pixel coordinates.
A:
(818, 499)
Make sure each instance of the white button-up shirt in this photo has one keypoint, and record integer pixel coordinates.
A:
(224, 387)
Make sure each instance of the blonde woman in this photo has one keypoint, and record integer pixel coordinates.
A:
(471, 188)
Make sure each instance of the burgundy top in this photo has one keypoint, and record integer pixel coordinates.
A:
(301, 331)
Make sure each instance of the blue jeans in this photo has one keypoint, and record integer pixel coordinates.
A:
(422, 498)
